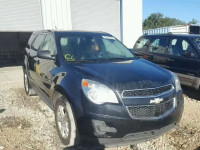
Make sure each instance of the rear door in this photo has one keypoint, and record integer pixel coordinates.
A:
(185, 66)
(46, 65)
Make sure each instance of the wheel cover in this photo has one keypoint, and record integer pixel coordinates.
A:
(26, 82)
(63, 122)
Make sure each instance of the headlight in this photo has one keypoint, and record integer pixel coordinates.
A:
(177, 82)
(97, 92)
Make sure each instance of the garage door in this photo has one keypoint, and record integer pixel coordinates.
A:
(96, 15)
(20, 15)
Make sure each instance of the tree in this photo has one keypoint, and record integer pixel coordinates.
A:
(153, 21)
(194, 21)
(157, 20)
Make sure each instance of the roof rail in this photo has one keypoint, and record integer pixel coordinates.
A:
(180, 32)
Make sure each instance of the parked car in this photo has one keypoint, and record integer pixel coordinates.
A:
(100, 92)
(178, 53)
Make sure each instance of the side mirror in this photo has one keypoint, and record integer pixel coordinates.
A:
(46, 54)
(28, 46)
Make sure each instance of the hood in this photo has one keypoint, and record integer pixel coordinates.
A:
(125, 75)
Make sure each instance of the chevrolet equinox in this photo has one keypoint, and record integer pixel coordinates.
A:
(100, 92)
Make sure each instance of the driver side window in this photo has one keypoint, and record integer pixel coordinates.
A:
(142, 44)
(49, 44)
(38, 42)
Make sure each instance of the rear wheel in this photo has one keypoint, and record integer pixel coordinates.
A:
(29, 91)
(65, 122)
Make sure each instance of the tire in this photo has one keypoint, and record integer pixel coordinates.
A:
(65, 123)
(29, 91)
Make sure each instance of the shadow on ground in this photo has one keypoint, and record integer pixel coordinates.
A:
(84, 147)
(191, 93)
(2, 110)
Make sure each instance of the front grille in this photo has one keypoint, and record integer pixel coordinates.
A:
(146, 111)
(147, 92)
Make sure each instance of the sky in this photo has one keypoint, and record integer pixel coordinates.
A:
(184, 10)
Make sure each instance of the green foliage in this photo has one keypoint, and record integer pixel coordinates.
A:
(194, 21)
(157, 20)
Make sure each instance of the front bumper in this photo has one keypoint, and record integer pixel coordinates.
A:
(112, 125)
(131, 138)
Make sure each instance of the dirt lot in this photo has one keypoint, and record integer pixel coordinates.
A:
(27, 123)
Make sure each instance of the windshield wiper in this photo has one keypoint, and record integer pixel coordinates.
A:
(129, 58)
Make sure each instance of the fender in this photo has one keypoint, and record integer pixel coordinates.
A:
(68, 85)
(57, 88)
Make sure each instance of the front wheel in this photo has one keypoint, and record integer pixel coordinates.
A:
(65, 123)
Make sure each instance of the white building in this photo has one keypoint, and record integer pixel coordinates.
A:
(121, 18)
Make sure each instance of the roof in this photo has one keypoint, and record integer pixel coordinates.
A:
(70, 32)
(174, 35)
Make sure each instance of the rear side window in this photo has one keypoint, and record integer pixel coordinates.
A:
(185, 45)
(38, 41)
(158, 45)
(180, 47)
(142, 44)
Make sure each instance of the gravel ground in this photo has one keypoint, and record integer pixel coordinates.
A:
(27, 123)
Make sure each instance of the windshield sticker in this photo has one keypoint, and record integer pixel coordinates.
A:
(108, 37)
(69, 57)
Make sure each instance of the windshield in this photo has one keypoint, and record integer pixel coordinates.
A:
(81, 48)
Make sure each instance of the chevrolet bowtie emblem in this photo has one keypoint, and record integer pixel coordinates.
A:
(156, 101)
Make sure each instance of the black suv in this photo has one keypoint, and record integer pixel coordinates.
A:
(178, 53)
(100, 92)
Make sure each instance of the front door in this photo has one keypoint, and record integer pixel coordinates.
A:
(141, 48)
(33, 59)
(46, 65)
(158, 50)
